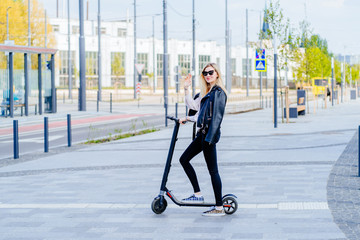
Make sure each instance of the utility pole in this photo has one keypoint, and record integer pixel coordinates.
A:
(99, 51)
(154, 74)
(332, 81)
(69, 54)
(260, 73)
(228, 83)
(82, 92)
(343, 85)
(193, 52)
(165, 59)
(275, 83)
(247, 55)
(135, 54)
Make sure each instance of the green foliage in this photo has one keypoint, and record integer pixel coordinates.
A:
(121, 136)
(117, 68)
(18, 29)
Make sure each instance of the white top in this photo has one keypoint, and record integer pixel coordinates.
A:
(194, 105)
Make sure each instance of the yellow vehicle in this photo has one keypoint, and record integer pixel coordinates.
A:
(319, 85)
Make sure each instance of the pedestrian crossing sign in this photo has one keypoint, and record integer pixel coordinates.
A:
(260, 53)
(260, 65)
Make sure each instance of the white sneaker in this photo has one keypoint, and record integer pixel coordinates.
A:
(213, 212)
(193, 199)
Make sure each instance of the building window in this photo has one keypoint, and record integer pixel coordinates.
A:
(118, 64)
(64, 62)
(218, 61)
(56, 28)
(184, 63)
(244, 67)
(91, 63)
(233, 66)
(103, 30)
(75, 29)
(203, 60)
(263, 74)
(121, 32)
(159, 64)
(142, 58)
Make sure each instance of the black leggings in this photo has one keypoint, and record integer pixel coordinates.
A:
(209, 151)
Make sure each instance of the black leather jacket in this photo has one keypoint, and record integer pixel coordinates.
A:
(211, 114)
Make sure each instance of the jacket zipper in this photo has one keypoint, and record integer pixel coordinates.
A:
(210, 109)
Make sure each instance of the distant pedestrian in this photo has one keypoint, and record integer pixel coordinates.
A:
(210, 107)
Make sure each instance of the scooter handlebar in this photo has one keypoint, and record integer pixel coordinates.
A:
(176, 119)
(172, 118)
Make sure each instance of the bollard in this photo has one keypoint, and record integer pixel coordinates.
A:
(35, 109)
(16, 139)
(69, 129)
(176, 110)
(63, 97)
(110, 102)
(46, 134)
(97, 101)
(266, 102)
(359, 151)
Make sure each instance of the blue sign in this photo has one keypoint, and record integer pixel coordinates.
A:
(260, 65)
(260, 54)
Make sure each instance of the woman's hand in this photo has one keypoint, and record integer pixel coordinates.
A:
(187, 81)
(183, 120)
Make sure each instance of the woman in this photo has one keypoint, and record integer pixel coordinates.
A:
(210, 107)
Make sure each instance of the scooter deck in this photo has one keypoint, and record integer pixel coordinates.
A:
(186, 204)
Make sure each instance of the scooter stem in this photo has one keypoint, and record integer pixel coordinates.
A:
(170, 155)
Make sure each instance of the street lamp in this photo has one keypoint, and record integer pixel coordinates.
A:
(7, 23)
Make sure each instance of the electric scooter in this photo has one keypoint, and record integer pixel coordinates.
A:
(159, 203)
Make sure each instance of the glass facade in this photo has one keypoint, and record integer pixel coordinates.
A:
(233, 66)
(64, 68)
(142, 58)
(117, 68)
(244, 67)
(185, 63)
(203, 60)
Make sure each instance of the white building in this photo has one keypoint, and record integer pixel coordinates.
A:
(117, 54)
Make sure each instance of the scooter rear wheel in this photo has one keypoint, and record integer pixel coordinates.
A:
(157, 207)
(230, 204)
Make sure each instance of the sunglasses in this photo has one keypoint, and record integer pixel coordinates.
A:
(211, 72)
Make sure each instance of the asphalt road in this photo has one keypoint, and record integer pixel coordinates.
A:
(33, 140)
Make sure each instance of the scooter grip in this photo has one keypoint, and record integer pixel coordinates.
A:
(172, 118)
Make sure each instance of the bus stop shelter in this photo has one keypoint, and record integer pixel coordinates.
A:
(11, 49)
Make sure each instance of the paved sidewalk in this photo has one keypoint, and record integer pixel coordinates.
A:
(104, 191)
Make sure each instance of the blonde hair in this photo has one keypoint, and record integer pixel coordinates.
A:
(205, 86)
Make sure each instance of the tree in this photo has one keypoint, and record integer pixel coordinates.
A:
(278, 29)
(117, 68)
(18, 29)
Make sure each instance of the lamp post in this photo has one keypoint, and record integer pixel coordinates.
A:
(99, 53)
(82, 93)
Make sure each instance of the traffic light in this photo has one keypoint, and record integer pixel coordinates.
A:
(48, 65)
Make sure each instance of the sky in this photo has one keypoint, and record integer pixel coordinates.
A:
(335, 20)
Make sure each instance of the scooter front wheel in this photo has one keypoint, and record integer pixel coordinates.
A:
(158, 205)
(230, 204)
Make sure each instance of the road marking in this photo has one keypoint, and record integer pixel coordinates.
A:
(35, 140)
(283, 206)
(6, 132)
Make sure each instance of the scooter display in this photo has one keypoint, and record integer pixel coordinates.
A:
(159, 203)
